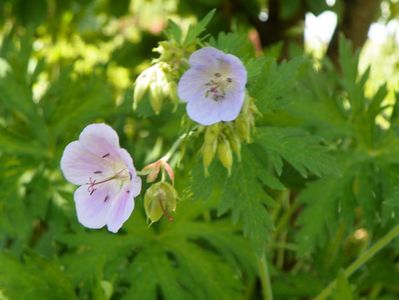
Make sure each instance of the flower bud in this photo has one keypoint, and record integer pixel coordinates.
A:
(208, 153)
(234, 139)
(235, 144)
(160, 199)
(243, 128)
(142, 83)
(165, 49)
(212, 133)
(172, 92)
(156, 98)
(224, 154)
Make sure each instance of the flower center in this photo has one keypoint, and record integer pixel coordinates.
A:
(121, 175)
(217, 87)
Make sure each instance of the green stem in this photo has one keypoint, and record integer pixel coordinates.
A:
(265, 278)
(361, 260)
(177, 144)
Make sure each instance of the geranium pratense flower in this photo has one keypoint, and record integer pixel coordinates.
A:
(106, 175)
(214, 86)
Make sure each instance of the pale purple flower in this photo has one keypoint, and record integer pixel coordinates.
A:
(214, 86)
(106, 175)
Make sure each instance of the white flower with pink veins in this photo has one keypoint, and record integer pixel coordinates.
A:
(106, 175)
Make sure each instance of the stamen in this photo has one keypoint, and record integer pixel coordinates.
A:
(217, 87)
(92, 183)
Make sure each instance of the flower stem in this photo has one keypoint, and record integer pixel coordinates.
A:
(265, 278)
(361, 260)
(177, 144)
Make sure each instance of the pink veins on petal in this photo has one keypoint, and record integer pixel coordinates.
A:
(106, 175)
(213, 87)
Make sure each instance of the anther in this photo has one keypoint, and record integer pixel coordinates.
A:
(105, 155)
(97, 172)
(106, 198)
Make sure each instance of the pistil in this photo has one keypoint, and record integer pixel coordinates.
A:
(118, 176)
(217, 87)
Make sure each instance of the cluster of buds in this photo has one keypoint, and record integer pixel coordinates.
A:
(160, 79)
(225, 138)
(160, 199)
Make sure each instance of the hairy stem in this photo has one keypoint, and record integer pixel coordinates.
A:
(361, 260)
(265, 278)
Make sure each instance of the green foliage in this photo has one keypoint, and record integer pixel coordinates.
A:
(316, 184)
(195, 30)
(243, 193)
(275, 83)
(34, 278)
(234, 43)
(343, 289)
(179, 259)
(302, 150)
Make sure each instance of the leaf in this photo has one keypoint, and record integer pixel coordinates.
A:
(343, 290)
(173, 31)
(243, 193)
(302, 150)
(12, 143)
(236, 43)
(34, 278)
(275, 84)
(321, 208)
(173, 259)
(349, 62)
(195, 30)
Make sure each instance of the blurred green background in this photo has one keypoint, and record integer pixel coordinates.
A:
(66, 64)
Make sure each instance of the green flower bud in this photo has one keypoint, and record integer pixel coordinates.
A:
(208, 153)
(243, 126)
(235, 144)
(234, 140)
(172, 92)
(156, 98)
(224, 154)
(212, 133)
(142, 84)
(160, 199)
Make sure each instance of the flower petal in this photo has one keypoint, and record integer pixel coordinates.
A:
(205, 56)
(100, 139)
(93, 209)
(126, 158)
(237, 70)
(79, 165)
(192, 83)
(135, 188)
(204, 111)
(121, 210)
(231, 106)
